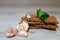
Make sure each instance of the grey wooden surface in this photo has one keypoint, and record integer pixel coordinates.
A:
(9, 17)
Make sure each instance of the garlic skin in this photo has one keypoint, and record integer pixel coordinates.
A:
(22, 34)
(26, 26)
(28, 16)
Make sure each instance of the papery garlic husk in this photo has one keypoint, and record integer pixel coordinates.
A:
(23, 34)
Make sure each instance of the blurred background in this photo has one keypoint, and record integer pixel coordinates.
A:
(18, 3)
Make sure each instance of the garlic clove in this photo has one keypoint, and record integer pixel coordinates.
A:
(26, 26)
(22, 34)
(20, 27)
(10, 32)
(28, 16)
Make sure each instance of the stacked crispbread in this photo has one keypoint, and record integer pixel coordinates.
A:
(36, 23)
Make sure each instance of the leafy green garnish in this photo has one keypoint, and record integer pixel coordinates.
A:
(42, 14)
